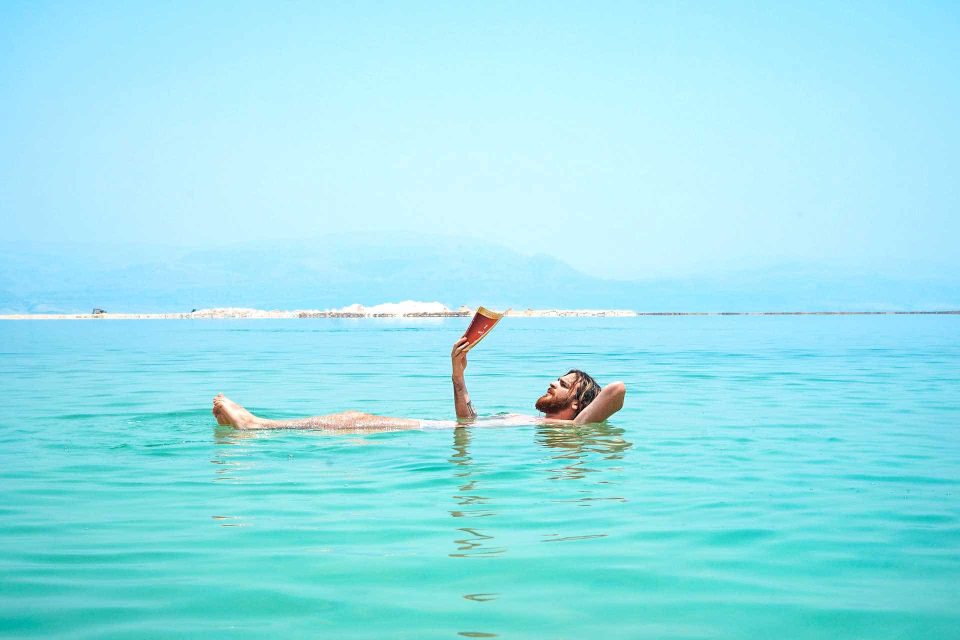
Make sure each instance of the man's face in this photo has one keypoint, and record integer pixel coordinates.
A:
(559, 395)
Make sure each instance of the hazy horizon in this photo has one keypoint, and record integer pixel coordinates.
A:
(630, 141)
(337, 270)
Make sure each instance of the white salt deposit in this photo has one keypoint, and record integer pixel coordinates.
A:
(407, 307)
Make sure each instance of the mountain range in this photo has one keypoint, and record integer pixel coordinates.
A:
(340, 269)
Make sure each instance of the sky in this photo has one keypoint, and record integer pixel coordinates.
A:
(630, 140)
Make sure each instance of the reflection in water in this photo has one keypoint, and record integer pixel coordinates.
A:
(461, 453)
(227, 467)
(584, 446)
(228, 435)
(482, 597)
(475, 544)
(589, 454)
(595, 438)
(556, 537)
(228, 521)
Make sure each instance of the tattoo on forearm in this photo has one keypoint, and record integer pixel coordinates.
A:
(464, 406)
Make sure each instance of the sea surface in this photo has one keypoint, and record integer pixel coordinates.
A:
(768, 477)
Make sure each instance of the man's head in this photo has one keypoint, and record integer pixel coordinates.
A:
(570, 394)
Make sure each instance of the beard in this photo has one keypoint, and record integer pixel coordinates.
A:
(550, 404)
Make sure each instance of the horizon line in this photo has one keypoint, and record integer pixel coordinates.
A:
(257, 314)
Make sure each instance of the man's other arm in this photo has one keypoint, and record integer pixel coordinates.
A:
(607, 403)
(461, 399)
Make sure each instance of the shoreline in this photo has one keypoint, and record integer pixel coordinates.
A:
(259, 314)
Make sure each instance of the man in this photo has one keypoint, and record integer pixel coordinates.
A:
(573, 398)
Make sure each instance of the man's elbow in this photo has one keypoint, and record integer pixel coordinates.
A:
(618, 392)
(618, 389)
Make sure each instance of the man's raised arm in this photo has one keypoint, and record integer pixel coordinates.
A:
(607, 403)
(461, 399)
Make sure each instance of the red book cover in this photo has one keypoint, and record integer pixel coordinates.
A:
(483, 321)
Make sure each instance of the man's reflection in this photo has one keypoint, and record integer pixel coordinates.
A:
(588, 448)
(470, 541)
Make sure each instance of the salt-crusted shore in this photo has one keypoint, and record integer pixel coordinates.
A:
(406, 309)
(412, 309)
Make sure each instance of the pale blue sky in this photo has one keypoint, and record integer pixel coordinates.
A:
(629, 139)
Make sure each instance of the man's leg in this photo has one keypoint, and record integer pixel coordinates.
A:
(230, 413)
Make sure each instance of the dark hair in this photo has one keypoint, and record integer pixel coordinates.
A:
(587, 389)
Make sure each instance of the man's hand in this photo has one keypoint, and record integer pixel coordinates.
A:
(458, 357)
(461, 399)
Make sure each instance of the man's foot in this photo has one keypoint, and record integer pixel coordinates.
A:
(230, 413)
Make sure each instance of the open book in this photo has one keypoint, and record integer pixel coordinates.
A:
(483, 321)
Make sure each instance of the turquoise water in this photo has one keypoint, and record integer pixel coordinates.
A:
(768, 476)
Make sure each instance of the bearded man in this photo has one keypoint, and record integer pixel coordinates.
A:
(573, 398)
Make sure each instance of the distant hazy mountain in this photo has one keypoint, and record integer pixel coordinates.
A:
(337, 270)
